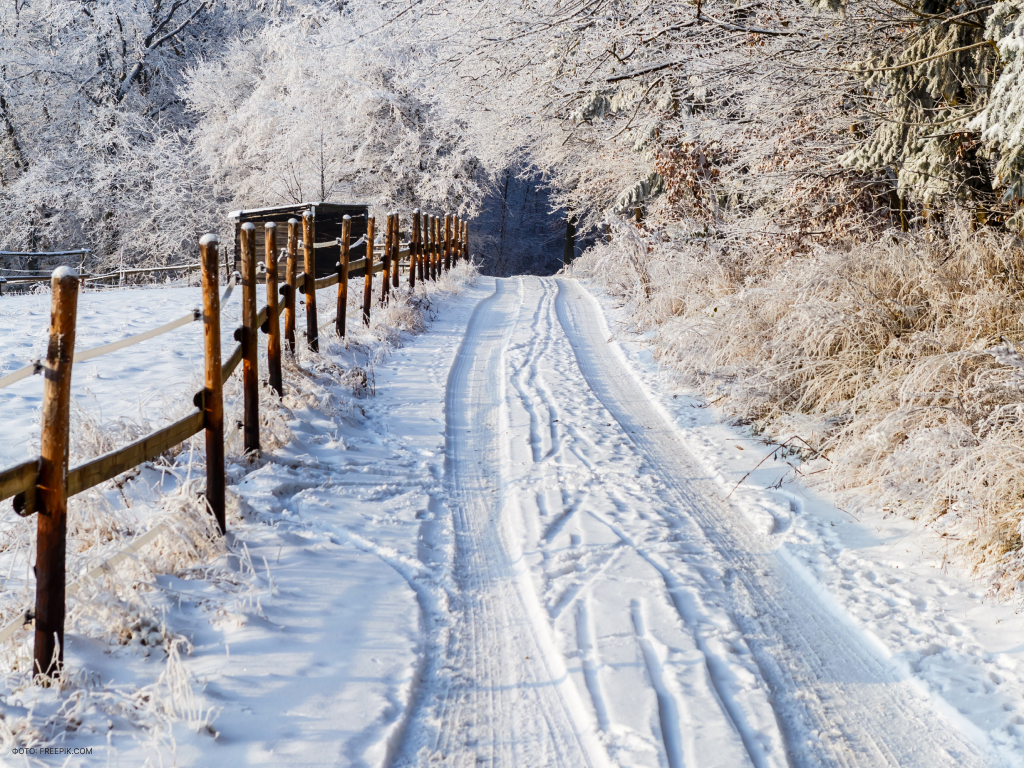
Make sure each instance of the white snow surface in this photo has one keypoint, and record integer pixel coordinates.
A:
(526, 548)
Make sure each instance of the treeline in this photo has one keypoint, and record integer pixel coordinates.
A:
(132, 128)
(124, 124)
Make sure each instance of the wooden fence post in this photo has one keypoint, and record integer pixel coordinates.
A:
(273, 326)
(396, 260)
(213, 393)
(465, 240)
(389, 233)
(289, 283)
(447, 241)
(250, 372)
(414, 239)
(419, 227)
(346, 235)
(51, 493)
(434, 256)
(439, 247)
(425, 248)
(308, 246)
(368, 278)
(457, 244)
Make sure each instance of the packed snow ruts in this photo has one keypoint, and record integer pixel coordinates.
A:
(615, 540)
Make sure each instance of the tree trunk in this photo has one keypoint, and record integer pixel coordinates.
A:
(570, 239)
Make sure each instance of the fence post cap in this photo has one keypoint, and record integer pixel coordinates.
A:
(346, 217)
(61, 273)
(307, 214)
(270, 225)
(209, 239)
(293, 220)
(249, 226)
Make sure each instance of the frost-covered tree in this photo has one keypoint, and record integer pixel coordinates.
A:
(1002, 119)
(929, 74)
(94, 143)
(709, 117)
(310, 109)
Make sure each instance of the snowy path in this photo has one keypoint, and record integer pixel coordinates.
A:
(611, 608)
(516, 553)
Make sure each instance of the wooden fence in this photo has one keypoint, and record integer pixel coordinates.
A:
(119, 276)
(43, 485)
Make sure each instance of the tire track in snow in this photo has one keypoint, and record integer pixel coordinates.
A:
(668, 710)
(504, 703)
(837, 701)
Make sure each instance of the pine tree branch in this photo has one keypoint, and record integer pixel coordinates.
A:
(909, 63)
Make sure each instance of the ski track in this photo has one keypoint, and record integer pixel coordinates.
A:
(610, 607)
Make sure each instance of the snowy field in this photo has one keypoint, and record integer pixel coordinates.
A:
(502, 541)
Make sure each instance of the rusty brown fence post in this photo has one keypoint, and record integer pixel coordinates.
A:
(51, 493)
(213, 393)
(389, 233)
(368, 277)
(420, 227)
(440, 245)
(414, 239)
(457, 245)
(447, 241)
(273, 326)
(289, 283)
(250, 371)
(455, 240)
(308, 246)
(393, 250)
(346, 235)
(433, 247)
(396, 259)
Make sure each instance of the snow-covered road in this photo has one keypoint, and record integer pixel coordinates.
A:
(524, 549)
(611, 607)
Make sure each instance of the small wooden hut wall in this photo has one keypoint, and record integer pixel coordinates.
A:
(328, 218)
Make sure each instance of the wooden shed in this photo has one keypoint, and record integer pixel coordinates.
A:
(328, 218)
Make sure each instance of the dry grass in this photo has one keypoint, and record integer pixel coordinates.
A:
(879, 354)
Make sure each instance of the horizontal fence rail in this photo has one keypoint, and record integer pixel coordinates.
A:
(16, 279)
(89, 354)
(434, 246)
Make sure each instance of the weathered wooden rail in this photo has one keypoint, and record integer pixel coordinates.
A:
(43, 485)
